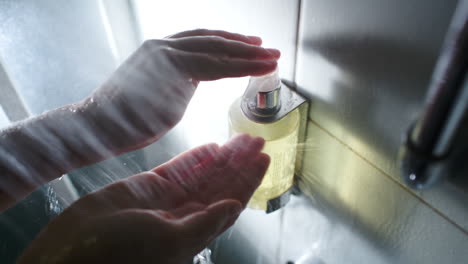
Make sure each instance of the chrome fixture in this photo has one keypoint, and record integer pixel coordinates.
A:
(429, 141)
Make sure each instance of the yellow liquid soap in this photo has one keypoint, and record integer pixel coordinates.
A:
(280, 144)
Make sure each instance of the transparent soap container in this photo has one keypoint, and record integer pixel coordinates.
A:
(280, 135)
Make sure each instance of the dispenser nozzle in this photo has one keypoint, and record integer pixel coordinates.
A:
(263, 94)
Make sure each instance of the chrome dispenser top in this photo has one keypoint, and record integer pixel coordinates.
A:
(266, 100)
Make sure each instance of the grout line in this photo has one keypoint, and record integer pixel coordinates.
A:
(437, 211)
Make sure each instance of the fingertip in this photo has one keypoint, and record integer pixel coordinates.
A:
(237, 140)
(263, 160)
(259, 141)
(265, 67)
(188, 159)
(244, 142)
(271, 63)
(274, 52)
(255, 40)
(258, 168)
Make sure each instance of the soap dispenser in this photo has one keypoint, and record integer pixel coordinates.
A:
(269, 110)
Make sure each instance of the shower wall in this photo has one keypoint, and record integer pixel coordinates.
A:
(366, 66)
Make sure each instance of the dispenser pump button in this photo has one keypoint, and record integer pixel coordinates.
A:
(268, 101)
(266, 90)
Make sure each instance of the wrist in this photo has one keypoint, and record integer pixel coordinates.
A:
(118, 123)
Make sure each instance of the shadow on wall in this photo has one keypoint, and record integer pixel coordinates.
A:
(384, 88)
(379, 95)
(383, 93)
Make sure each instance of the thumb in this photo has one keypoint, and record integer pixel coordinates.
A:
(203, 226)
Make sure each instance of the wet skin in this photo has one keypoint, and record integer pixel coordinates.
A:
(143, 99)
(165, 215)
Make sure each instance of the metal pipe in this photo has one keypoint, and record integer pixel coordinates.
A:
(430, 139)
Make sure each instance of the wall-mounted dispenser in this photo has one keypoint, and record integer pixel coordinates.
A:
(269, 109)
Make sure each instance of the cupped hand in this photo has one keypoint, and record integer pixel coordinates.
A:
(166, 215)
(149, 92)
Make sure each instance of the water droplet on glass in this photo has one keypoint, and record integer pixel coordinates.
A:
(230, 233)
(203, 257)
(53, 206)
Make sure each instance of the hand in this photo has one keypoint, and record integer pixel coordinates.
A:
(141, 101)
(166, 215)
(149, 93)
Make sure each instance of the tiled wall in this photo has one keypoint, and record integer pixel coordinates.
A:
(366, 65)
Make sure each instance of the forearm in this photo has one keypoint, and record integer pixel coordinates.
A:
(40, 149)
(43, 148)
(33, 152)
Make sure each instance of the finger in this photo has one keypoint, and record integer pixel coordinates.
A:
(252, 176)
(241, 149)
(259, 166)
(220, 33)
(204, 67)
(206, 225)
(242, 170)
(190, 158)
(222, 46)
(181, 169)
(187, 209)
(238, 183)
(145, 190)
(156, 192)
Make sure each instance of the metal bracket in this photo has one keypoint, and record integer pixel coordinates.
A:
(289, 99)
(278, 202)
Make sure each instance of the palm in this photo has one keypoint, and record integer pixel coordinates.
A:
(167, 214)
(210, 173)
